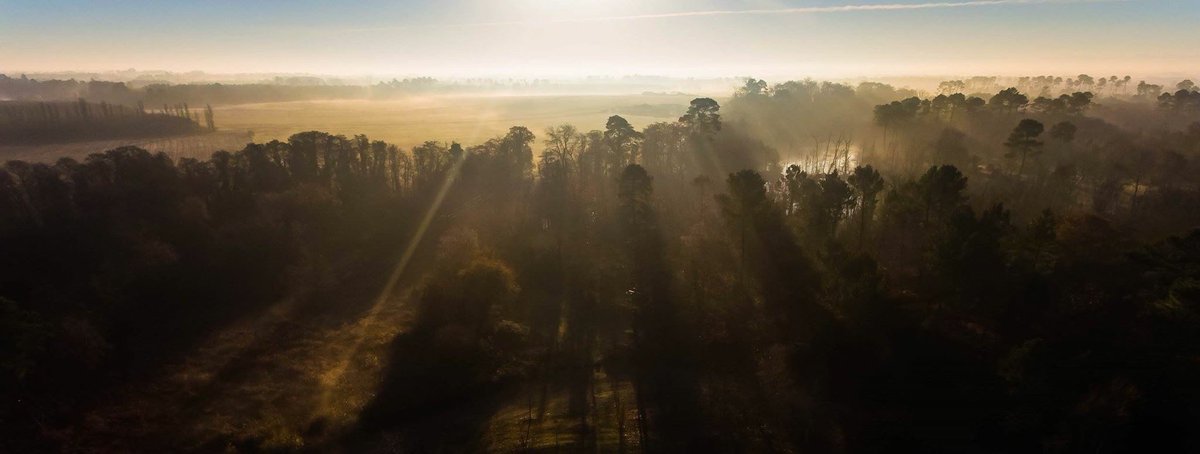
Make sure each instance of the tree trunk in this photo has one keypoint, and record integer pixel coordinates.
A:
(862, 224)
(641, 412)
(1137, 186)
(1021, 167)
(620, 414)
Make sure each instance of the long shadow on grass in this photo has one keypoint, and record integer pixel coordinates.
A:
(433, 398)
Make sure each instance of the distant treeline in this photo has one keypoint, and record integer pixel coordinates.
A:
(26, 89)
(283, 89)
(28, 123)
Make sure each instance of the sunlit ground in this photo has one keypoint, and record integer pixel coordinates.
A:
(467, 119)
(282, 381)
(259, 381)
(199, 146)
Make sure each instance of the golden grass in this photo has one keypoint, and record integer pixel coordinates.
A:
(467, 119)
(261, 381)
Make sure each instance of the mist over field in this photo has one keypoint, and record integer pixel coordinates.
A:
(600, 226)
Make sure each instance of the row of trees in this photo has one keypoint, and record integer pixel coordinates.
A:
(33, 90)
(1049, 86)
(1008, 101)
(57, 122)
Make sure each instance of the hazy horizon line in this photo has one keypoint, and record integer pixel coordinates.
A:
(585, 77)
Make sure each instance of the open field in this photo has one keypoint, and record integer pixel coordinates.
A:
(192, 146)
(466, 119)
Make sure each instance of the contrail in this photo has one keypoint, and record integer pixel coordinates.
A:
(824, 9)
(773, 11)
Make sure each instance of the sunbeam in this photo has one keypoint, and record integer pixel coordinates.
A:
(335, 374)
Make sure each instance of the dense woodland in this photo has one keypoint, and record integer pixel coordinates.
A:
(812, 267)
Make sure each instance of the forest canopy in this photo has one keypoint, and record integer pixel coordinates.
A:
(806, 266)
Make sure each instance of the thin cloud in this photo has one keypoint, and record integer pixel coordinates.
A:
(744, 12)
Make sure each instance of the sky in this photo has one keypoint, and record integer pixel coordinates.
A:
(553, 38)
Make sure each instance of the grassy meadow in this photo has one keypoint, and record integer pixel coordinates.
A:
(468, 119)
